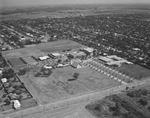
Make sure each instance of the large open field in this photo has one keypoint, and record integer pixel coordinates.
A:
(135, 71)
(41, 49)
(57, 87)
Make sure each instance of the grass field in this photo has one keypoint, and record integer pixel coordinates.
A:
(56, 86)
(16, 62)
(41, 49)
(135, 71)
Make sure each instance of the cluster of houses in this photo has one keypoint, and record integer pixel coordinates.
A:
(13, 97)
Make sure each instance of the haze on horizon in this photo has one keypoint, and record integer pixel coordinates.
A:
(11, 3)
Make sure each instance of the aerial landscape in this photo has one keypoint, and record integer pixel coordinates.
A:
(72, 60)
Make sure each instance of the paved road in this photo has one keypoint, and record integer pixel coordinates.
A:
(74, 111)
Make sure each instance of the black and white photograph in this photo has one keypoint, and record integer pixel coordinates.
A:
(74, 58)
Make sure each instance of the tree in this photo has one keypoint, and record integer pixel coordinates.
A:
(22, 85)
(3, 62)
(143, 102)
(8, 73)
(76, 75)
(1, 87)
(1, 55)
(38, 74)
(7, 101)
(4, 95)
(144, 92)
(21, 44)
(20, 98)
(148, 108)
(70, 56)
(127, 88)
(22, 71)
(59, 61)
(47, 72)
(0, 99)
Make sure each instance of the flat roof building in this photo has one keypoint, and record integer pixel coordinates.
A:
(44, 58)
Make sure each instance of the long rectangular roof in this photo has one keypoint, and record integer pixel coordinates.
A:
(105, 59)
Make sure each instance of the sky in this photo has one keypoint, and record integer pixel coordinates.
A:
(9, 3)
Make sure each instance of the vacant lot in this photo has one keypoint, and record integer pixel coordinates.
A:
(57, 87)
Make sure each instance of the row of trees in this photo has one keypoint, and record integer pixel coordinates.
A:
(3, 62)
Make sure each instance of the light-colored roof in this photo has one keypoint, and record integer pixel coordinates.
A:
(1, 71)
(48, 66)
(74, 63)
(136, 49)
(89, 49)
(4, 80)
(114, 60)
(79, 53)
(16, 104)
(115, 57)
(118, 62)
(105, 59)
(43, 57)
(56, 54)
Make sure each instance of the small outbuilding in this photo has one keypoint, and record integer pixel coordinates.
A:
(4, 80)
(43, 58)
(75, 64)
(16, 104)
(48, 66)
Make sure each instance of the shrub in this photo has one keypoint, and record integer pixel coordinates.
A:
(47, 72)
(97, 107)
(7, 101)
(4, 95)
(135, 93)
(144, 92)
(143, 102)
(38, 74)
(8, 73)
(112, 109)
(148, 108)
(130, 94)
(22, 71)
(76, 75)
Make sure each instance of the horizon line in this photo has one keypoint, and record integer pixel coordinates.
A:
(67, 4)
